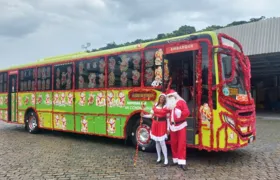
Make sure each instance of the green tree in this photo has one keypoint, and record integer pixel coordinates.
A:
(212, 28)
(161, 36)
(183, 30)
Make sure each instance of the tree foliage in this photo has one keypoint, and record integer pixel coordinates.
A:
(183, 30)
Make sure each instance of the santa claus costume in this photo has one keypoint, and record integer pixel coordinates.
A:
(159, 128)
(178, 127)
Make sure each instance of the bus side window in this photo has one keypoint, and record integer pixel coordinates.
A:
(149, 68)
(44, 78)
(63, 77)
(90, 73)
(204, 67)
(3, 82)
(124, 70)
(27, 79)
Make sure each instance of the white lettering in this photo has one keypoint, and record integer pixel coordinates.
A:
(187, 46)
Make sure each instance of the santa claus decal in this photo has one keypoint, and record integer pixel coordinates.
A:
(100, 99)
(205, 114)
(110, 99)
(111, 125)
(33, 99)
(121, 99)
(48, 99)
(82, 99)
(84, 124)
(158, 57)
(70, 99)
(91, 99)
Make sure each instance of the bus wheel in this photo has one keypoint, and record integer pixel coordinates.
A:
(32, 122)
(141, 135)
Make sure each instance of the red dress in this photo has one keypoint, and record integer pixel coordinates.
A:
(159, 124)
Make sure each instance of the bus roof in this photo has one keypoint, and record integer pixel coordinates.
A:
(79, 55)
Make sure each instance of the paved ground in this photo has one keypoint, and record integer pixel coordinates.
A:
(66, 156)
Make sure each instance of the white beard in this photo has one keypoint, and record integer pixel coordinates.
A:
(171, 103)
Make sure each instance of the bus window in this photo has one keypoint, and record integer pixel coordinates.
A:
(124, 70)
(27, 79)
(238, 75)
(3, 82)
(44, 78)
(90, 73)
(63, 77)
(205, 68)
(149, 68)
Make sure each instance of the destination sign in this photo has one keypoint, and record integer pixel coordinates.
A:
(142, 95)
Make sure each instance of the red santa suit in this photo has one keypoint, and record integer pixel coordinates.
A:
(159, 123)
(159, 129)
(178, 127)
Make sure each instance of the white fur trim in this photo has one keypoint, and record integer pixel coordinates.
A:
(174, 128)
(147, 116)
(162, 95)
(175, 160)
(156, 138)
(182, 161)
(178, 112)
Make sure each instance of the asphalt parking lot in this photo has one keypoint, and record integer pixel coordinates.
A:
(54, 155)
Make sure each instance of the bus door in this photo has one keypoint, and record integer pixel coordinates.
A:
(12, 98)
(182, 67)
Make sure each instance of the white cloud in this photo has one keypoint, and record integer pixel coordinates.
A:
(32, 29)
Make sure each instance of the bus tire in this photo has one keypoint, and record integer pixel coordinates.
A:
(141, 135)
(31, 122)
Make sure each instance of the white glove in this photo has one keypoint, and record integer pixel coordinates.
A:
(178, 112)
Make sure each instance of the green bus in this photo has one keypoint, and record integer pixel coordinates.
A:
(101, 93)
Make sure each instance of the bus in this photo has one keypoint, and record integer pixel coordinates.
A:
(101, 93)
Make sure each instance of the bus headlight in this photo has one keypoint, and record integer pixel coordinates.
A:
(229, 121)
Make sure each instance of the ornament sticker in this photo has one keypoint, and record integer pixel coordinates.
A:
(226, 91)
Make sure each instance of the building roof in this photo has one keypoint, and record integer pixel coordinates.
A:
(260, 37)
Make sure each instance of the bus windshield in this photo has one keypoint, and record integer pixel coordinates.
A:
(237, 83)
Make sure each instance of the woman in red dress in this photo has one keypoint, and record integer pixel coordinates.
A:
(159, 127)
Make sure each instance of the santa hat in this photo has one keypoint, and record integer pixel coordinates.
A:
(162, 94)
(171, 92)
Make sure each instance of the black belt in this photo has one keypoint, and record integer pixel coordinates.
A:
(156, 118)
(179, 122)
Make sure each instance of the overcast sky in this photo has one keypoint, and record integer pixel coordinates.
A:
(34, 29)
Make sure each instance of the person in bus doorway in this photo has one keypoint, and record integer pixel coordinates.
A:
(159, 127)
(178, 127)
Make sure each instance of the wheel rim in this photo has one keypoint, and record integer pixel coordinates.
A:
(32, 122)
(143, 135)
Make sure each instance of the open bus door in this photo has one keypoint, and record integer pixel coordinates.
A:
(182, 58)
(12, 97)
